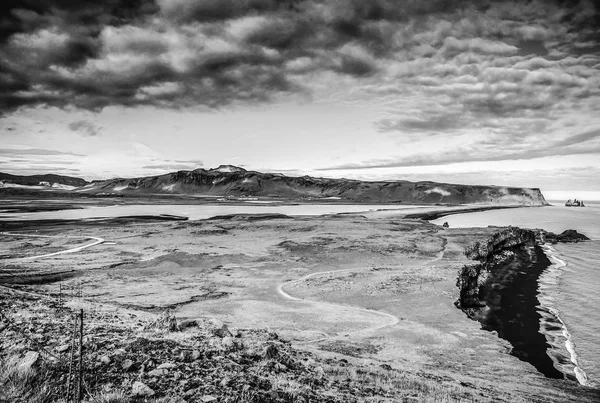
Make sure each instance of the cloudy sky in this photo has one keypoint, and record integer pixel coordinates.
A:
(482, 92)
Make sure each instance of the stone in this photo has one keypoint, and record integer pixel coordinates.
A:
(196, 355)
(280, 367)
(189, 393)
(223, 331)
(141, 389)
(184, 324)
(271, 352)
(127, 365)
(29, 361)
(105, 359)
(227, 342)
(166, 365)
(158, 372)
(62, 348)
(184, 356)
(208, 398)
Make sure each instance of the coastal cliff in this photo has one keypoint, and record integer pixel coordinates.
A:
(497, 251)
(234, 182)
(501, 291)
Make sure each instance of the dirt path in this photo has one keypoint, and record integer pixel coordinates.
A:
(97, 241)
(391, 319)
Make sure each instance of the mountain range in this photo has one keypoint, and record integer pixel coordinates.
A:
(233, 182)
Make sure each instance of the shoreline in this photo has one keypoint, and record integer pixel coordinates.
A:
(511, 309)
(434, 215)
(547, 280)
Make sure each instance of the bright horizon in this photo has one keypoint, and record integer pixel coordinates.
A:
(477, 92)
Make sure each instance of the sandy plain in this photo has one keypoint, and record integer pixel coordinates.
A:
(375, 289)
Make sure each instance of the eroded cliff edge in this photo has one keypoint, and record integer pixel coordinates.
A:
(500, 291)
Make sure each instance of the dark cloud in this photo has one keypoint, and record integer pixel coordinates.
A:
(429, 123)
(182, 53)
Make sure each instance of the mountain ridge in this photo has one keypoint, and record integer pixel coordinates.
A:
(232, 181)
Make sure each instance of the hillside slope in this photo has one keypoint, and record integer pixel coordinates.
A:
(229, 180)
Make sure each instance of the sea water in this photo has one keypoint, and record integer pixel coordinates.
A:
(568, 290)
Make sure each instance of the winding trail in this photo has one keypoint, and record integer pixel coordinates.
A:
(391, 319)
(97, 241)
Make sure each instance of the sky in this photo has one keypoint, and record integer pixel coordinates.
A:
(478, 92)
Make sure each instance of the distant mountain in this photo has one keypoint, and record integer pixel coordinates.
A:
(228, 180)
(48, 180)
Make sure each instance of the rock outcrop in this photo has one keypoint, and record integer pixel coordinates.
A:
(567, 236)
(496, 251)
(42, 180)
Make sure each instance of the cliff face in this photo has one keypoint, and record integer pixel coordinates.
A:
(497, 251)
(46, 180)
(233, 181)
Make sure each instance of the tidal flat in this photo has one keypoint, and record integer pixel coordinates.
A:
(364, 291)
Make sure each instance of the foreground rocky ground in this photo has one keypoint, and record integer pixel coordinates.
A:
(132, 357)
(342, 308)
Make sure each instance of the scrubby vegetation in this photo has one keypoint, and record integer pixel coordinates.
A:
(130, 358)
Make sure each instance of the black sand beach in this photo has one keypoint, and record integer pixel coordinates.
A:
(511, 296)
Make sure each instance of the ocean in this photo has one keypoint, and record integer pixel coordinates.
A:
(568, 291)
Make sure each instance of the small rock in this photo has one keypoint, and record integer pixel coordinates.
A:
(105, 359)
(184, 324)
(223, 331)
(127, 365)
(28, 362)
(141, 389)
(227, 342)
(166, 365)
(63, 348)
(158, 372)
(196, 355)
(184, 356)
(208, 398)
(271, 352)
(189, 393)
(280, 367)
(387, 367)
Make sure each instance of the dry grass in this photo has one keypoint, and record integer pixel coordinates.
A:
(18, 385)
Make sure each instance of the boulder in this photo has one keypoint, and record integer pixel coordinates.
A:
(223, 331)
(127, 365)
(184, 324)
(196, 355)
(158, 372)
(271, 352)
(166, 365)
(141, 389)
(63, 348)
(29, 361)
